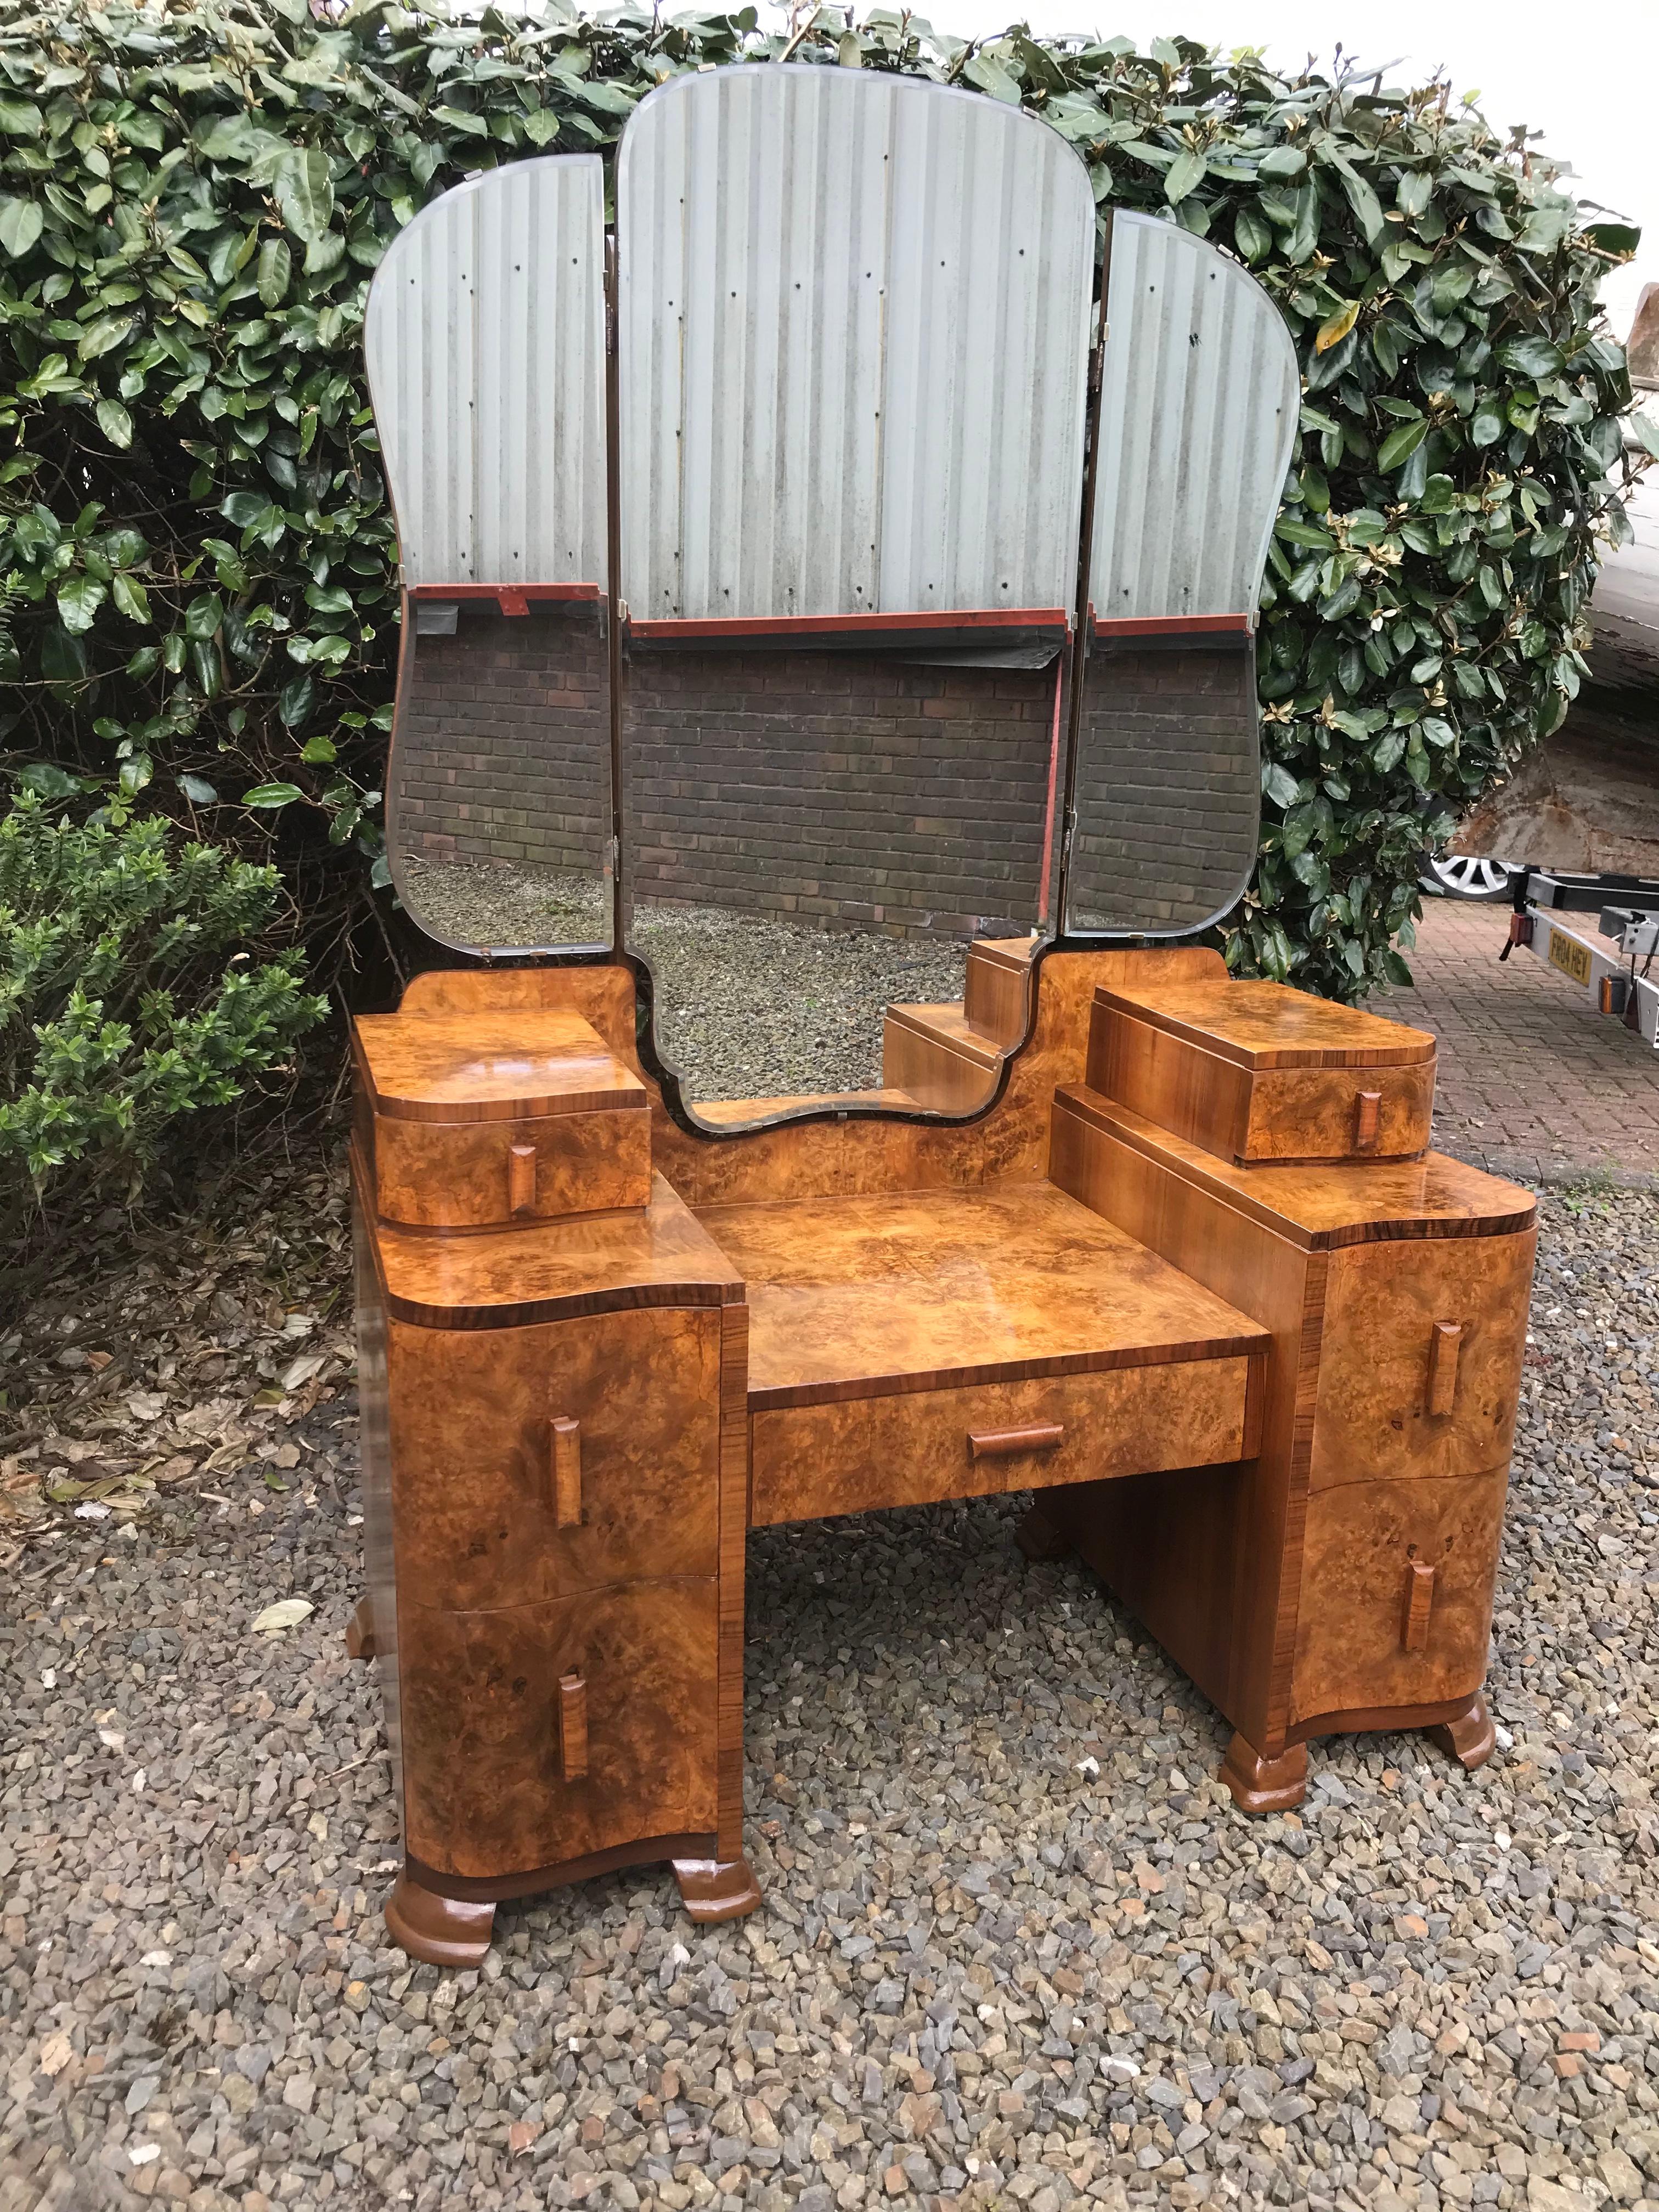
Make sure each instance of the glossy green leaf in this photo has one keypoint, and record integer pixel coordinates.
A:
(1182, 173)
(1400, 445)
(79, 598)
(115, 423)
(275, 271)
(1531, 356)
(304, 192)
(131, 597)
(21, 222)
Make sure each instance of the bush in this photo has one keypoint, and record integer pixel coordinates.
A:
(201, 596)
(119, 1014)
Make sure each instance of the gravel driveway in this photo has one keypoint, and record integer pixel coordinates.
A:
(1016, 1946)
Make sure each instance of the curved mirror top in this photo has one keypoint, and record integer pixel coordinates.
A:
(1200, 396)
(484, 335)
(852, 341)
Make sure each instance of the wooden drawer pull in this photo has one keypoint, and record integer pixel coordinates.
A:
(572, 1727)
(1003, 1443)
(1419, 1599)
(1443, 1343)
(1367, 1120)
(522, 1179)
(566, 1456)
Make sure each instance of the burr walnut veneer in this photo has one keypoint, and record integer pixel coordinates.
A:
(1191, 1278)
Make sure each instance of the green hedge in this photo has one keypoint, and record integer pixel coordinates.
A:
(125, 1006)
(200, 605)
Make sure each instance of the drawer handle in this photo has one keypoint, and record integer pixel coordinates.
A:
(572, 1727)
(1367, 1120)
(1003, 1443)
(1420, 1600)
(1444, 1343)
(522, 1179)
(567, 1472)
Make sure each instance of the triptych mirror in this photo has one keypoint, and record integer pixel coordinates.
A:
(841, 560)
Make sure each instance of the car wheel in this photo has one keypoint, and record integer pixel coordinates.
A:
(1464, 876)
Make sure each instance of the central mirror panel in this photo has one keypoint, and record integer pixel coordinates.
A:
(853, 336)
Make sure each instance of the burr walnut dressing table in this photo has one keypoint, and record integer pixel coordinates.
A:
(1166, 1250)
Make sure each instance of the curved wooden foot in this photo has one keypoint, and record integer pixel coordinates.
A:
(1038, 1537)
(1470, 1739)
(716, 1889)
(444, 1931)
(1264, 1785)
(360, 1631)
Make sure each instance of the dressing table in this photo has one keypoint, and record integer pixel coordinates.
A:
(1165, 1250)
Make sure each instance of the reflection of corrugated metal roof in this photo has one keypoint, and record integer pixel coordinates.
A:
(1199, 406)
(485, 342)
(854, 332)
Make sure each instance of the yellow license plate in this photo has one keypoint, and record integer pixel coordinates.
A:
(1570, 956)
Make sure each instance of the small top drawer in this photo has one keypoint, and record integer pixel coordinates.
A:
(1255, 1072)
(523, 1118)
(1420, 1364)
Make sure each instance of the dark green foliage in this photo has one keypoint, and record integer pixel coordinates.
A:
(123, 1003)
(200, 594)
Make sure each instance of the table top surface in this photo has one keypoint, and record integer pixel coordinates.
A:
(927, 1290)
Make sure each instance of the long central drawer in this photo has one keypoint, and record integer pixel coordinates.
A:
(913, 1447)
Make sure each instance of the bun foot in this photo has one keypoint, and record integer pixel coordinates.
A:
(716, 1889)
(1264, 1785)
(1470, 1739)
(1038, 1537)
(444, 1931)
(360, 1631)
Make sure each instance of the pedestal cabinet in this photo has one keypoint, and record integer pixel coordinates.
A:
(1342, 1578)
(554, 1514)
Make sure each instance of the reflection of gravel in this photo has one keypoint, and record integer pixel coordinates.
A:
(747, 1005)
(1016, 1947)
(504, 908)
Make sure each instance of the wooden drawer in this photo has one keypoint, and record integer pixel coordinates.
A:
(500, 1119)
(537, 1733)
(494, 1505)
(915, 1447)
(1336, 1114)
(472, 1175)
(1396, 1603)
(1255, 1072)
(1420, 1370)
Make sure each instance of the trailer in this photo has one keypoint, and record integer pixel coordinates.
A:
(1617, 982)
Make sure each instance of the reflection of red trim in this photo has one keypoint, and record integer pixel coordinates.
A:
(1169, 625)
(506, 593)
(1049, 816)
(809, 625)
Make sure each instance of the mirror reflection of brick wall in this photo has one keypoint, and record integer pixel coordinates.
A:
(839, 787)
(1167, 786)
(849, 789)
(503, 751)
